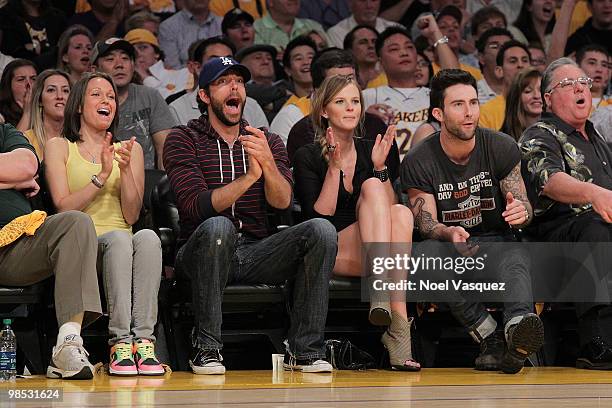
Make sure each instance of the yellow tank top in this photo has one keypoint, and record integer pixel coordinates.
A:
(105, 210)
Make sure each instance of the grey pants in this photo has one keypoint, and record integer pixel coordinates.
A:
(131, 267)
(64, 246)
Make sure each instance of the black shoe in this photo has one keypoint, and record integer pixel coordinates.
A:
(595, 355)
(206, 362)
(306, 365)
(491, 352)
(524, 338)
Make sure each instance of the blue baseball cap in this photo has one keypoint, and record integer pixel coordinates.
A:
(215, 67)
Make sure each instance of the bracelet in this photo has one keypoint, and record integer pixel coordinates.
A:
(382, 175)
(442, 40)
(96, 181)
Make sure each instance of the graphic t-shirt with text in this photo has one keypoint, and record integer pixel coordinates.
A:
(466, 195)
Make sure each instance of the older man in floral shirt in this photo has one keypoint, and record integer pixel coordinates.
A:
(566, 166)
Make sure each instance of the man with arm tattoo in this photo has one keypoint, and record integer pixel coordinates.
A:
(464, 183)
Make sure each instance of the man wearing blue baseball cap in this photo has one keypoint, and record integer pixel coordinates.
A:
(224, 174)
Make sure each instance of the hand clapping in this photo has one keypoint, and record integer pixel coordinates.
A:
(381, 148)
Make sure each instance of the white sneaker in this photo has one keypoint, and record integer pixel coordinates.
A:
(69, 360)
(291, 363)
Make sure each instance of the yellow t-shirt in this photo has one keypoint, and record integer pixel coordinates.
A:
(474, 71)
(303, 103)
(580, 16)
(29, 134)
(380, 80)
(221, 7)
(105, 210)
(493, 112)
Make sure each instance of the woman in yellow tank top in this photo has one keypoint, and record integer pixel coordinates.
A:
(86, 172)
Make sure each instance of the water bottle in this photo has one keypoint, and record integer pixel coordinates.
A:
(8, 353)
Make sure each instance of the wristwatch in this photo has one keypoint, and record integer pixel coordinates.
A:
(382, 175)
(441, 40)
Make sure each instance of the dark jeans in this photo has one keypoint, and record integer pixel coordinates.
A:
(594, 318)
(216, 255)
(510, 264)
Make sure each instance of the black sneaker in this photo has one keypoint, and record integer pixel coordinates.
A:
(206, 362)
(307, 365)
(595, 355)
(524, 338)
(491, 352)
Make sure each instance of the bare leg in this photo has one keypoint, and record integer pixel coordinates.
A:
(374, 212)
(401, 232)
(373, 225)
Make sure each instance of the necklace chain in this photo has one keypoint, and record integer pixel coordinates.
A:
(403, 94)
(93, 158)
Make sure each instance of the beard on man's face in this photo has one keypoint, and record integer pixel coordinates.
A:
(217, 108)
(457, 131)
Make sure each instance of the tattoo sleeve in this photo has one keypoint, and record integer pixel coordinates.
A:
(513, 183)
(423, 219)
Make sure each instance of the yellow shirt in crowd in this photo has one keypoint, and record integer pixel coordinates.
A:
(493, 112)
(302, 103)
(105, 210)
(29, 134)
(221, 7)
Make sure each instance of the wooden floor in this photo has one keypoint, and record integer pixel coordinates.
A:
(533, 387)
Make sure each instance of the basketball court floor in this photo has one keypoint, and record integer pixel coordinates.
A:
(434, 387)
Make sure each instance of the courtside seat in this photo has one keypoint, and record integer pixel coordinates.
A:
(265, 304)
(27, 307)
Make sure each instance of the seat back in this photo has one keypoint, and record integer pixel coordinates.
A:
(165, 217)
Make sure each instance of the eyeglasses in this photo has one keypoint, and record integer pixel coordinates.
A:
(567, 83)
(423, 64)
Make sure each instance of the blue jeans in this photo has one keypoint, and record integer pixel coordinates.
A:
(216, 255)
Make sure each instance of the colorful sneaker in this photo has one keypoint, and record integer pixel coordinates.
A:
(146, 361)
(121, 360)
(69, 360)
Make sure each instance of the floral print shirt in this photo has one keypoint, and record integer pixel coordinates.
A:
(550, 146)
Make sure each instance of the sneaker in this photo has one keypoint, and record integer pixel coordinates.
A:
(121, 360)
(306, 365)
(69, 360)
(206, 362)
(595, 355)
(491, 352)
(524, 338)
(146, 361)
